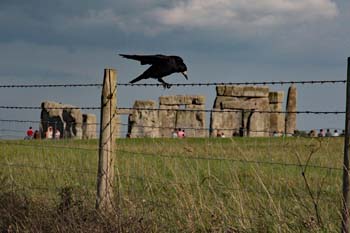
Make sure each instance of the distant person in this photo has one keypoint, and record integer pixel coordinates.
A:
(275, 134)
(312, 133)
(174, 133)
(57, 134)
(183, 133)
(335, 134)
(37, 134)
(321, 133)
(49, 133)
(328, 133)
(223, 135)
(29, 133)
(342, 133)
(180, 133)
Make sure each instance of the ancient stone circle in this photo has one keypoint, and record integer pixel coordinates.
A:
(237, 111)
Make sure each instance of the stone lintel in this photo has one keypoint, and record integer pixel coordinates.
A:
(242, 91)
(182, 100)
(145, 104)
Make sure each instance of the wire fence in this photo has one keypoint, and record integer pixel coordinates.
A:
(312, 82)
(195, 177)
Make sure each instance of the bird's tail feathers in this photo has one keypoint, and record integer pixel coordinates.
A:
(142, 76)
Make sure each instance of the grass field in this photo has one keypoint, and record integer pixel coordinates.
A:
(174, 185)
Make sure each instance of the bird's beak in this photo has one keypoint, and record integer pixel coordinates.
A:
(185, 74)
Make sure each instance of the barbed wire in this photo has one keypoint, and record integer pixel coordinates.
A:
(179, 110)
(218, 128)
(175, 156)
(45, 121)
(175, 84)
(159, 127)
(231, 110)
(39, 108)
(227, 159)
(156, 181)
(50, 85)
(236, 83)
(41, 145)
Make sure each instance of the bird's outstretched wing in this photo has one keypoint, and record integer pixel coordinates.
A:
(147, 59)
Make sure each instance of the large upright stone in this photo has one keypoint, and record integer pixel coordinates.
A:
(192, 120)
(167, 119)
(89, 126)
(276, 117)
(291, 108)
(227, 122)
(74, 122)
(51, 115)
(240, 109)
(184, 112)
(143, 122)
(66, 118)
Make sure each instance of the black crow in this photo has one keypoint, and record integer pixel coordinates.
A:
(161, 66)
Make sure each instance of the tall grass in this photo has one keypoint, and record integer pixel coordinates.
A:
(216, 185)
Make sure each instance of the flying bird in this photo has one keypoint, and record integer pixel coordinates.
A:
(161, 66)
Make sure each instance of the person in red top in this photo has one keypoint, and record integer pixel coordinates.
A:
(30, 133)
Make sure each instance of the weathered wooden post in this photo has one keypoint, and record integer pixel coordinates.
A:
(345, 204)
(107, 145)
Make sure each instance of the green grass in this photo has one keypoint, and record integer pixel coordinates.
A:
(217, 184)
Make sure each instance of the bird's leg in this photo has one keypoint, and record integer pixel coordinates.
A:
(165, 84)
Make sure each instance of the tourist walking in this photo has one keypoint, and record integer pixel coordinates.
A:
(49, 133)
(29, 133)
(57, 134)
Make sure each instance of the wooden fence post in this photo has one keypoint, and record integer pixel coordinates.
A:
(107, 145)
(345, 204)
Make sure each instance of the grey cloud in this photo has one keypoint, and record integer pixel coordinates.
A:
(240, 15)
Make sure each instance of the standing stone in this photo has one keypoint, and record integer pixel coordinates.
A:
(238, 109)
(74, 122)
(144, 122)
(192, 119)
(67, 119)
(291, 108)
(51, 115)
(181, 113)
(277, 118)
(89, 126)
(226, 122)
(167, 119)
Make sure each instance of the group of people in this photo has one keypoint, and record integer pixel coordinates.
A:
(327, 133)
(178, 133)
(49, 134)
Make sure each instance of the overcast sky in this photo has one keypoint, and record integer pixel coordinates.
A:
(64, 41)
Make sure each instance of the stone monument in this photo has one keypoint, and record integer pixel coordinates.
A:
(67, 119)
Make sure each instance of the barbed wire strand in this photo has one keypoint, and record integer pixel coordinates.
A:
(175, 84)
(50, 85)
(237, 110)
(178, 110)
(174, 156)
(153, 180)
(151, 126)
(226, 159)
(236, 83)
